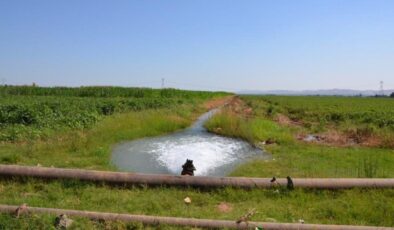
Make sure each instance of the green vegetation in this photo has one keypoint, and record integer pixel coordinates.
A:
(295, 157)
(70, 131)
(359, 207)
(89, 147)
(360, 118)
(377, 112)
(30, 112)
(104, 91)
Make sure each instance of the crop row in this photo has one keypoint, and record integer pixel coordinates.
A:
(374, 111)
(103, 91)
(30, 117)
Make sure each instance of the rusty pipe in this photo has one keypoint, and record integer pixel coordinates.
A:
(202, 223)
(193, 181)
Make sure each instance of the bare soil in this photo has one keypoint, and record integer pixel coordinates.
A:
(238, 106)
(285, 120)
(211, 104)
(333, 137)
(224, 207)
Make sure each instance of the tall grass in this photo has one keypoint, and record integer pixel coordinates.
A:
(252, 130)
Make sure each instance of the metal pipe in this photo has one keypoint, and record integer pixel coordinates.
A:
(202, 223)
(193, 181)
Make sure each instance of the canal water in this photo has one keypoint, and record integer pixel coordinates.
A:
(212, 155)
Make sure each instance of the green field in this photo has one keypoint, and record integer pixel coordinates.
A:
(59, 142)
(376, 112)
(34, 112)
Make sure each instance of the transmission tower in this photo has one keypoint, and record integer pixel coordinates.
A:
(3, 81)
(381, 88)
(162, 83)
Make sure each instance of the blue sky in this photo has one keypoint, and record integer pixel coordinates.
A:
(214, 45)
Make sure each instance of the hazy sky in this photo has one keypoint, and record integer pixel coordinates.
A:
(203, 44)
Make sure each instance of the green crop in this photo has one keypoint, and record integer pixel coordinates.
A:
(378, 112)
(30, 112)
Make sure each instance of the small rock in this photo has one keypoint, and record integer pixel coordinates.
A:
(63, 222)
(187, 200)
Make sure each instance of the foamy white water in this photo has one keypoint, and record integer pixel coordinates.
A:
(211, 154)
(208, 153)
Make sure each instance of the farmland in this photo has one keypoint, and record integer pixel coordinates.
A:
(366, 121)
(33, 112)
(372, 112)
(267, 122)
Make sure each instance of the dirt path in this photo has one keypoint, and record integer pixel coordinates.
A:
(214, 103)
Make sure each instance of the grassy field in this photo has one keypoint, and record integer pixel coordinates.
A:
(249, 119)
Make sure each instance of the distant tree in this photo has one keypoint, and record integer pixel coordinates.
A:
(392, 95)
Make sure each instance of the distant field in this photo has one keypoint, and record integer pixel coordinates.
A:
(376, 112)
(104, 91)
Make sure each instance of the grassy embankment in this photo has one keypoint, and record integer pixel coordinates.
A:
(89, 148)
